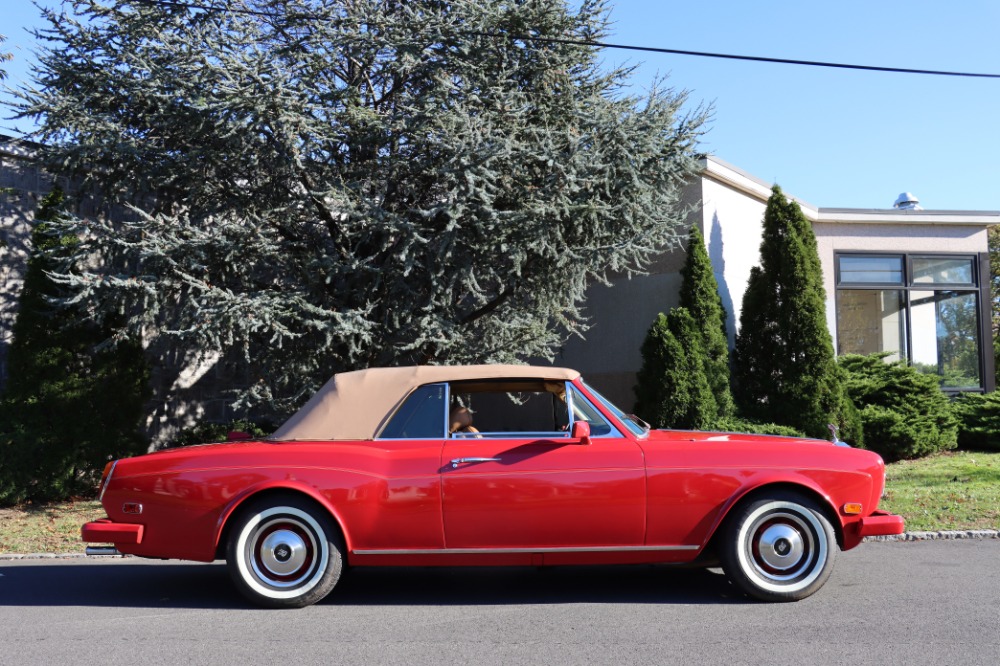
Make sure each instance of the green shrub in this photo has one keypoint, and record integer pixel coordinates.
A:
(980, 421)
(735, 424)
(73, 400)
(206, 433)
(903, 412)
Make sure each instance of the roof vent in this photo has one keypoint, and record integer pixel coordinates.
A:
(906, 201)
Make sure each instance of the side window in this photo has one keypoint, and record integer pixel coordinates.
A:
(421, 416)
(522, 408)
(509, 408)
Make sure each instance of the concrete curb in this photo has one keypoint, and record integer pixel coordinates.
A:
(906, 536)
(938, 536)
(40, 556)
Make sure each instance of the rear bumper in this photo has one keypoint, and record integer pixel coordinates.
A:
(108, 531)
(882, 523)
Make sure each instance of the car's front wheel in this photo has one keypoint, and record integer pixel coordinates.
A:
(778, 548)
(284, 552)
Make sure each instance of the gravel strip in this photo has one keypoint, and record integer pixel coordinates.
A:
(907, 536)
(938, 536)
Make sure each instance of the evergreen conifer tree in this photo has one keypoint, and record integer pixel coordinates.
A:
(68, 407)
(699, 295)
(321, 186)
(673, 389)
(684, 378)
(785, 371)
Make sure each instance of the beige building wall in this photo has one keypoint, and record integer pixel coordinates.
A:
(728, 207)
(728, 204)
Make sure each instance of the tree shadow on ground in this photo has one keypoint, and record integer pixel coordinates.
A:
(138, 584)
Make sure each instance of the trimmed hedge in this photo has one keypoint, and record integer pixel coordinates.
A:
(980, 421)
(904, 413)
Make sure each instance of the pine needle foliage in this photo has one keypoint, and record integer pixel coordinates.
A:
(71, 403)
(4, 57)
(322, 185)
(784, 367)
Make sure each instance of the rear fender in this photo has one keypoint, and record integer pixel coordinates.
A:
(275, 487)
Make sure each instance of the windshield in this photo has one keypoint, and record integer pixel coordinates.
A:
(636, 425)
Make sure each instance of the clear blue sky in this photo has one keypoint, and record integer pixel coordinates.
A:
(834, 138)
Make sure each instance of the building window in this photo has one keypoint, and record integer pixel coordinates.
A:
(921, 308)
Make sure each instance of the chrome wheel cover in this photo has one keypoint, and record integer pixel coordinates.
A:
(283, 552)
(783, 546)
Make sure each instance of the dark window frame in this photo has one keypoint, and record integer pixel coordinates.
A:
(979, 287)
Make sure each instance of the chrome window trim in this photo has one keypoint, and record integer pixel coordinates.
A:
(524, 434)
(447, 434)
(615, 432)
(569, 406)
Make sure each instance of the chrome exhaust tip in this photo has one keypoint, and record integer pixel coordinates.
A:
(101, 550)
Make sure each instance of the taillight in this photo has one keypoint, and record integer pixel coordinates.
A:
(109, 469)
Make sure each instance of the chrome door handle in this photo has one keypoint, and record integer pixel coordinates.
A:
(455, 462)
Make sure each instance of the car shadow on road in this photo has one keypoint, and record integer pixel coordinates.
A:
(137, 584)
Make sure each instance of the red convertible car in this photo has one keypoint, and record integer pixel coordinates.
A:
(490, 465)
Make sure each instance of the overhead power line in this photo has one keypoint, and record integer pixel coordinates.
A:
(176, 4)
(730, 56)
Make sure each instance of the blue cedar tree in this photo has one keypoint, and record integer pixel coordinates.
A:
(348, 184)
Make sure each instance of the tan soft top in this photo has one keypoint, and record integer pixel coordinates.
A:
(354, 405)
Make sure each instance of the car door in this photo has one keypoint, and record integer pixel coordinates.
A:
(543, 489)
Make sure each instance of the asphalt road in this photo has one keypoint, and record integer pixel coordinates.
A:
(932, 602)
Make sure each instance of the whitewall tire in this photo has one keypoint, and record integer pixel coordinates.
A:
(778, 548)
(284, 552)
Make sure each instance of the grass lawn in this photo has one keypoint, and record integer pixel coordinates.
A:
(48, 528)
(951, 491)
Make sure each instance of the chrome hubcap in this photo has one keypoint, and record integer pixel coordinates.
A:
(283, 552)
(780, 547)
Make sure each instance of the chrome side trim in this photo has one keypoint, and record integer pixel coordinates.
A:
(101, 550)
(501, 551)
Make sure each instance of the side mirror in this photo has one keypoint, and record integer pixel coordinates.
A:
(581, 432)
(237, 436)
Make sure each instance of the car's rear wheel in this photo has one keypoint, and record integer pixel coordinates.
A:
(284, 552)
(778, 548)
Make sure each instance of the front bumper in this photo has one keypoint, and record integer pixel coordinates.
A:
(881, 523)
(108, 531)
